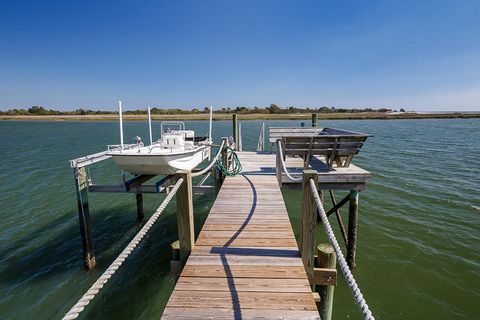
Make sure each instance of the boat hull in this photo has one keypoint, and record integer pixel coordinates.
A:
(160, 163)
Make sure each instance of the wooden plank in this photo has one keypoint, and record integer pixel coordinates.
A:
(249, 234)
(265, 272)
(176, 313)
(255, 251)
(243, 284)
(208, 226)
(245, 263)
(245, 300)
(245, 242)
(243, 260)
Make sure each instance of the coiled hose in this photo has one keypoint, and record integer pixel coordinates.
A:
(234, 168)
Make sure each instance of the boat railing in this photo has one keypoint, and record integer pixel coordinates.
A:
(180, 125)
(118, 147)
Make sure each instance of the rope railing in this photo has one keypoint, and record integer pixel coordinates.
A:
(196, 174)
(98, 285)
(280, 154)
(357, 294)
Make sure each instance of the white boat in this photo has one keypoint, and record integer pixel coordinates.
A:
(177, 149)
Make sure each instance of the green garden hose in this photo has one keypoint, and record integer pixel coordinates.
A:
(235, 166)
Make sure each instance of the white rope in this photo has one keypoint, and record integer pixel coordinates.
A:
(280, 154)
(95, 288)
(341, 259)
(196, 174)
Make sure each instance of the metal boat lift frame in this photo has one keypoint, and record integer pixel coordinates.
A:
(136, 185)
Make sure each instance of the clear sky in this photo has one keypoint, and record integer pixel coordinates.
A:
(421, 55)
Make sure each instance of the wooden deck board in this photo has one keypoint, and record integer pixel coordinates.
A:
(246, 263)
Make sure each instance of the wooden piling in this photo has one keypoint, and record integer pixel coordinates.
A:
(352, 229)
(308, 222)
(325, 259)
(175, 265)
(235, 130)
(140, 212)
(186, 234)
(81, 185)
(314, 119)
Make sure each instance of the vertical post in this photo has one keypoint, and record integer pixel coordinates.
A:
(186, 234)
(150, 125)
(81, 185)
(140, 213)
(314, 119)
(210, 125)
(326, 259)
(352, 229)
(308, 222)
(235, 130)
(278, 164)
(240, 142)
(121, 124)
(224, 158)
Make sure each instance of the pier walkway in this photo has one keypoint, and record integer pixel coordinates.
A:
(245, 263)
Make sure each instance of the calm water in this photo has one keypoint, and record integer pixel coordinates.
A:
(419, 234)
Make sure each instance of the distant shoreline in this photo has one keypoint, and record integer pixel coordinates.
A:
(253, 116)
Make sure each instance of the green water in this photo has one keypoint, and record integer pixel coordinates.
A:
(419, 231)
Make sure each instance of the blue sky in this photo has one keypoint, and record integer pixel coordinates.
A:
(420, 55)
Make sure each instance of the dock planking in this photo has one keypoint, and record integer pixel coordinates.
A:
(245, 263)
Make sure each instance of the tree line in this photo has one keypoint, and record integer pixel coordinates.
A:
(272, 109)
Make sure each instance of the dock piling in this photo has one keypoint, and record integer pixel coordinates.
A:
(235, 130)
(140, 212)
(325, 259)
(81, 185)
(352, 229)
(186, 234)
(308, 223)
(314, 120)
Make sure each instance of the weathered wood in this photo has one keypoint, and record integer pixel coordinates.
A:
(180, 313)
(246, 262)
(81, 186)
(308, 222)
(338, 205)
(339, 218)
(244, 300)
(352, 229)
(314, 120)
(235, 130)
(324, 276)
(140, 213)
(186, 234)
(326, 259)
(175, 264)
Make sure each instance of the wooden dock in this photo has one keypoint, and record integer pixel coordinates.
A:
(245, 263)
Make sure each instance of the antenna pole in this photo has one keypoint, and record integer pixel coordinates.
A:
(150, 125)
(121, 124)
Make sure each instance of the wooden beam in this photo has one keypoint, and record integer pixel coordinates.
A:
(137, 181)
(81, 186)
(186, 234)
(324, 276)
(338, 205)
(308, 223)
(339, 218)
